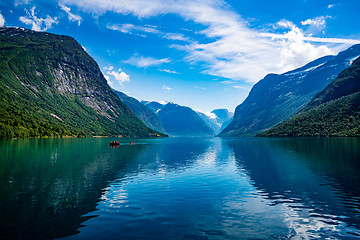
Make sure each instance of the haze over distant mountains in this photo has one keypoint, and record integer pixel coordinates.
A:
(278, 97)
(184, 121)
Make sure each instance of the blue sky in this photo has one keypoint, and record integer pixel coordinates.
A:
(204, 54)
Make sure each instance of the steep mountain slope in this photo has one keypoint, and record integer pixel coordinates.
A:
(335, 111)
(49, 86)
(278, 97)
(217, 120)
(210, 121)
(222, 114)
(183, 121)
(225, 124)
(142, 112)
(223, 117)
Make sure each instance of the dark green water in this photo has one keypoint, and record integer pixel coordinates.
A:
(180, 188)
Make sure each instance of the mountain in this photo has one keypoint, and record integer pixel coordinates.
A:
(142, 112)
(278, 97)
(210, 121)
(217, 120)
(183, 121)
(335, 111)
(223, 117)
(154, 106)
(49, 86)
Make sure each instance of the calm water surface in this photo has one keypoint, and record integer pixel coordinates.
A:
(180, 188)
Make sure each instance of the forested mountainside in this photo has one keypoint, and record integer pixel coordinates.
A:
(49, 86)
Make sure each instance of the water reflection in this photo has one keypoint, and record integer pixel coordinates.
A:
(48, 184)
(179, 188)
(316, 178)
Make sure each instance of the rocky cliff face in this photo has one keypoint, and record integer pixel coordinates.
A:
(45, 75)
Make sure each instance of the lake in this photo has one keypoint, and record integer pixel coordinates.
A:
(180, 188)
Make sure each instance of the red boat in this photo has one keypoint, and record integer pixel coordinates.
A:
(114, 143)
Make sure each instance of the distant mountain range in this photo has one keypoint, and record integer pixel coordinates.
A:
(223, 117)
(278, 97)
(335, 111)
(49, 86)
(184, 121)
(143, 112)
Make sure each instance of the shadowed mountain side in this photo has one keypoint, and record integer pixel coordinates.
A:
(211, 122)
(278, 97)
(142, 112)
(335, 111)
(183, 121)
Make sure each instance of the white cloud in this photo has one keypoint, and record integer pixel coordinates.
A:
(140, 8)
(330, 5)
(232, 49)
(72, 17)
(2, 20)
(108, 68)
(201, 88)
(209, 114)
(21, 2)
(168, 71)
(315, 25)
(38, 24)
(311, 39)
(138, 30)
(318, 22)
(130, 28)
(176, 37)
(246, 88)
(119, 76)
(143, 62)
(167, 88)
(227, 82)
(294, 48)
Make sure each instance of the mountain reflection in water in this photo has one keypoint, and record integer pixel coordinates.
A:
(183, 188)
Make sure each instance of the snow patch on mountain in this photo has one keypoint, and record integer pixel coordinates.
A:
(304, 71)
